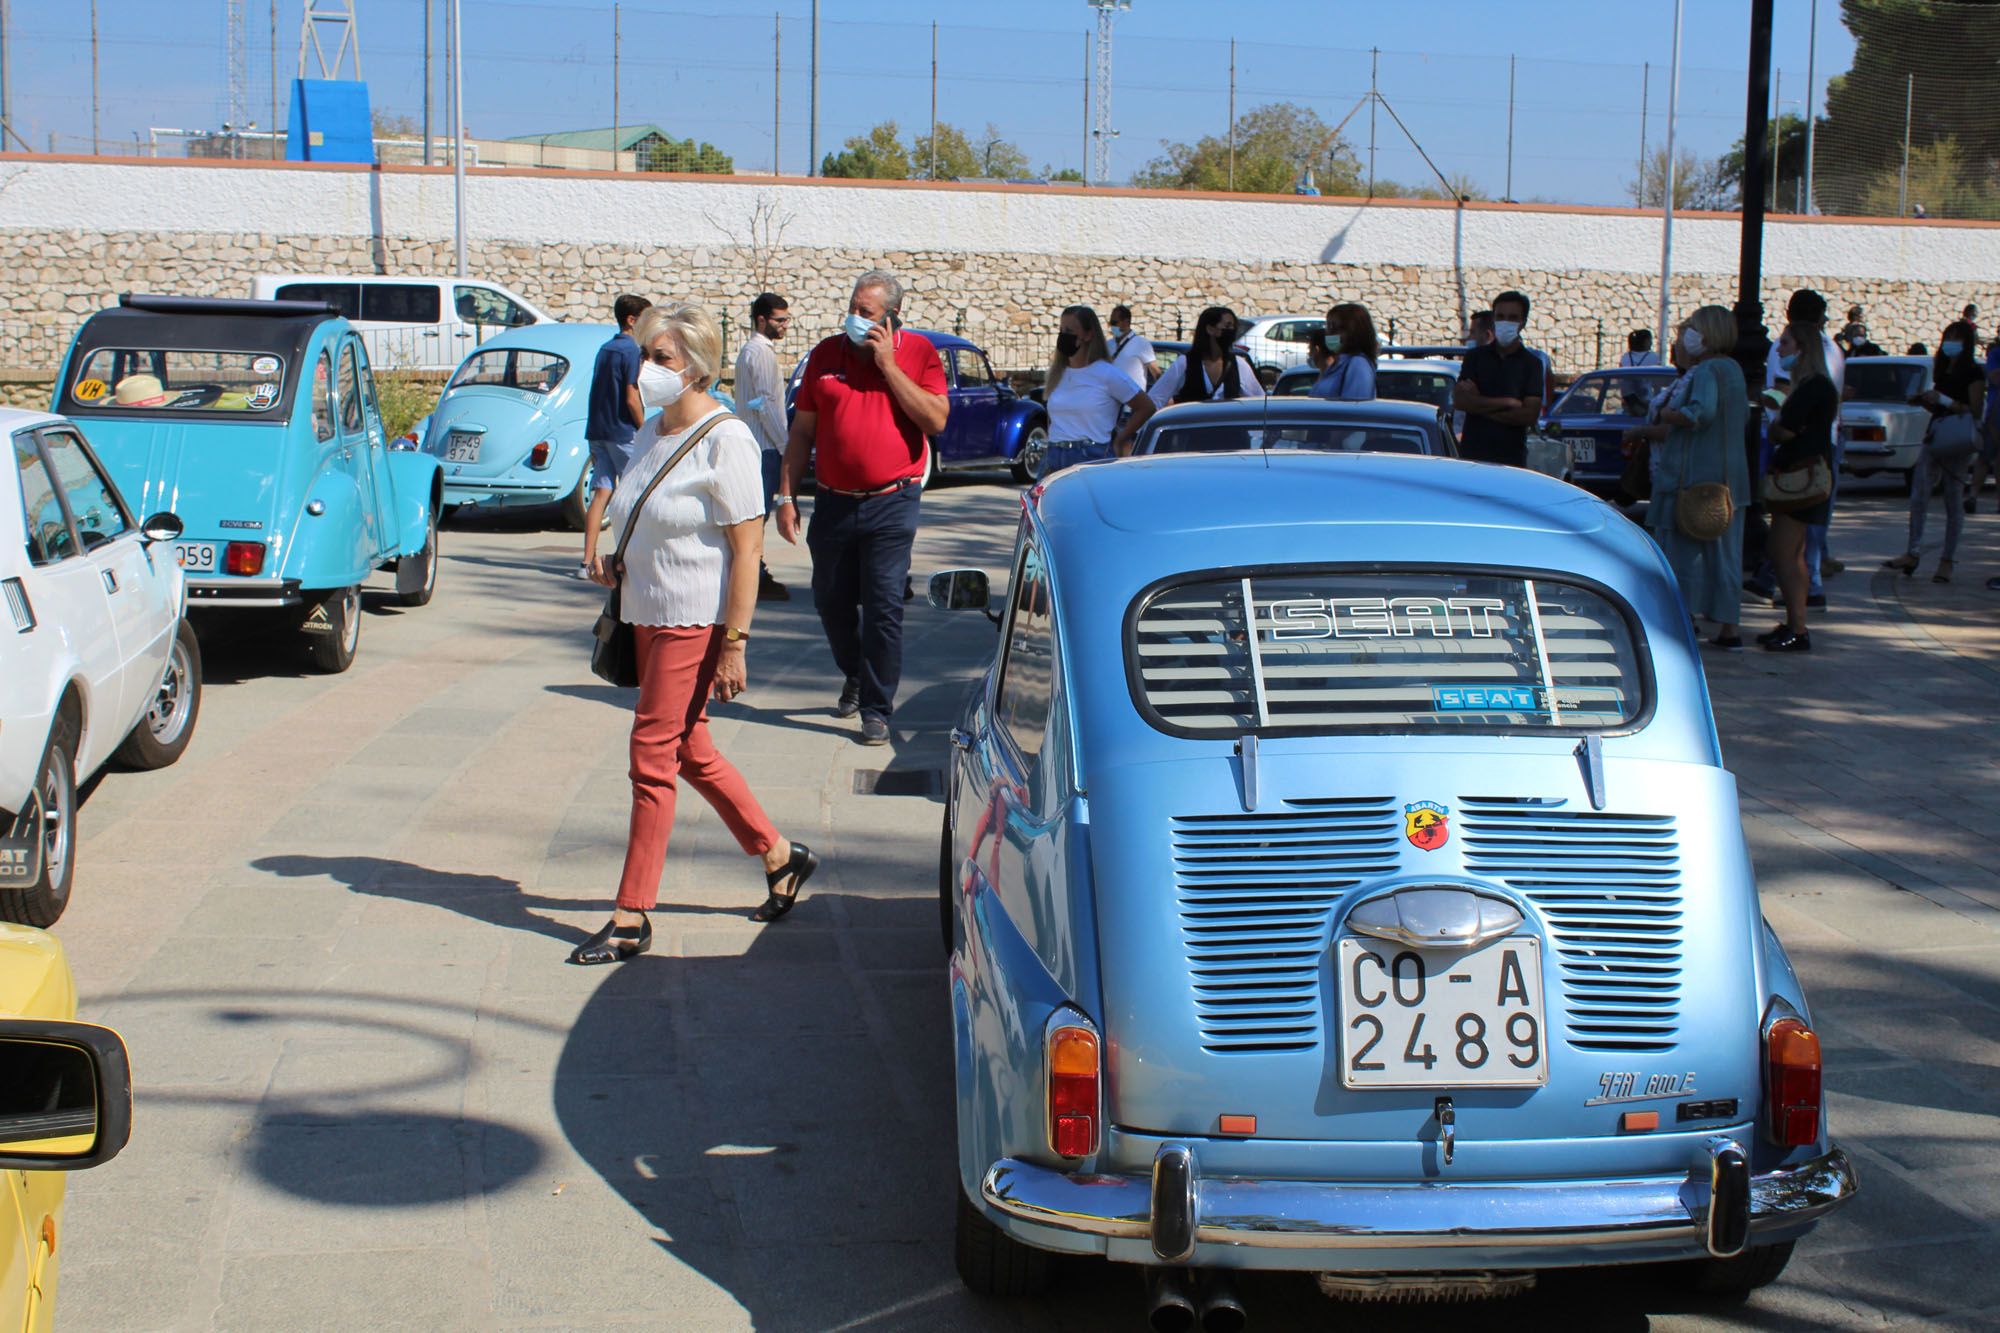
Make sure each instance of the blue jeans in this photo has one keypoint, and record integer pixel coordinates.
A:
(861, 556)
(773, 460)
(608, 461)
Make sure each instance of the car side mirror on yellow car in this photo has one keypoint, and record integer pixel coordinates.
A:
(65, 1095)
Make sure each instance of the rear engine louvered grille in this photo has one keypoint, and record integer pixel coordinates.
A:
(1256, 893)
(1609, 886)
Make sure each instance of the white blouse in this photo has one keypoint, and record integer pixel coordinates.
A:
(677, 558)
(1085, 403)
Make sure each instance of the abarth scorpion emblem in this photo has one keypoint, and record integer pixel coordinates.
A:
(1425, 825)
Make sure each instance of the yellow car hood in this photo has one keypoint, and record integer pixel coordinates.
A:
(35, 980)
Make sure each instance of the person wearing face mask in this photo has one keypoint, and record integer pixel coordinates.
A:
(1803, 433)
(869, 400)
(612, 415)
(1213, 369)
(1958, 391)
(1500, 389)
(1133, 354)
(1086, 392)
(1347, 371)
(1698, 440)
(691, 526)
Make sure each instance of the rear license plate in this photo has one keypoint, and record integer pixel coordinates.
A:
(195, 557)
(461, 447)
(1441, 1018)
(1583, 451)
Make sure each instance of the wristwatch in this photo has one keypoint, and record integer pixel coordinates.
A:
(731, 634)
(781, 499)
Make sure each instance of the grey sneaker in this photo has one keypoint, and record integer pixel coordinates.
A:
(874, 730)
(850, 699)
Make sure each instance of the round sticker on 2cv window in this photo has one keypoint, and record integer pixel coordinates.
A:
(89, 390)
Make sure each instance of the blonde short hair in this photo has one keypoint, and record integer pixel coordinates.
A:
(1717, 327)
(696, 332)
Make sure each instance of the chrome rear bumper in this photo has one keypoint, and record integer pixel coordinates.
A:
(1178, 1210)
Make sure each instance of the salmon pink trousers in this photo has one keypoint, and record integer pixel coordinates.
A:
(670, 741)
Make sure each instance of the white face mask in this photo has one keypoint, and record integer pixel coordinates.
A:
(1506, 330)
(1691, 342)
(658, 386)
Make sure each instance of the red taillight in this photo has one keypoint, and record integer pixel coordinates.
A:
(244, 558)
(539, 455)
(1791, 1083)
(1073, 1091)
(1868, 434)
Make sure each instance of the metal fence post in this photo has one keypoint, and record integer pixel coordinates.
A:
(1600, 342)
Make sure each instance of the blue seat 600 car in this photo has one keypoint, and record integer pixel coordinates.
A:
(1340, 874)
(256, 423)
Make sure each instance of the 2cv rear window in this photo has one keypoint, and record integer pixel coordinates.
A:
(147, 380)
(1315, 651)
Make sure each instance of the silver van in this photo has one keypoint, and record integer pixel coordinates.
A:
(409, 323)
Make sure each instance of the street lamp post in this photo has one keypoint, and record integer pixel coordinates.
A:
(458, 136)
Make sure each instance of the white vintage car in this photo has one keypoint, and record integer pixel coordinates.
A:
(1882, 430)
(99, 659)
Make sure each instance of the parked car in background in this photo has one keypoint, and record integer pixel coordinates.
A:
(509, 428)
(1306, 424)
(989, 425)
(1590, 419)
(65, 1105)
(1276, 343)
(1883, 430)
(1406, 381)
(1339, 874)
(1166, 353)
(96, 657)
(257, 422)
(409, 323)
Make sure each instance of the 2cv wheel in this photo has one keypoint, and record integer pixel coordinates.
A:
(991, 1262)
(333, 631)
(417, 591)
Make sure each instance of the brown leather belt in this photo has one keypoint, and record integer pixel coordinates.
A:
(890, 489)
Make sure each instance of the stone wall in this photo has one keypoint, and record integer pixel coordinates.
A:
(992, 263)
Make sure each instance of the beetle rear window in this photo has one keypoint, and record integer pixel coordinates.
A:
(513, 368)
(1326, 437)
(1382, 651)
(146, 380)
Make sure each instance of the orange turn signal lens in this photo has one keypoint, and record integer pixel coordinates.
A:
(1792, 1083)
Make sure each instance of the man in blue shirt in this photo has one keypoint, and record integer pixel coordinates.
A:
(615, 416)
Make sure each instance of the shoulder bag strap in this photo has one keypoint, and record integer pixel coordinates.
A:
(625, 534)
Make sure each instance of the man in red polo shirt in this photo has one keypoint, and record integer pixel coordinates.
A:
(869, 399)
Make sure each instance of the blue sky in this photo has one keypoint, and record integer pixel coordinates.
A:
(538, 65)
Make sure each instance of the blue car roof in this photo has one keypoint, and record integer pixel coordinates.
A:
(942, 341)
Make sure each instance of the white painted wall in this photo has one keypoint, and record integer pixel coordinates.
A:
(553, 208)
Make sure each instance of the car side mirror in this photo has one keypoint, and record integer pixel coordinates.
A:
(960, 590)
(66, 1104)
(161, 527)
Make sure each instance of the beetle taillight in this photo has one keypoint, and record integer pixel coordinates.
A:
(1792, 1083)
(1073, 1075)
(243, 557)
(539, 455)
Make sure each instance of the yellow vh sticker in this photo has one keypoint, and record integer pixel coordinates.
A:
(89, 391)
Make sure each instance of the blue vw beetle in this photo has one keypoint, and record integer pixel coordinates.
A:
(989, 424)
(1339, 874)
(509, 428)
(256, 422)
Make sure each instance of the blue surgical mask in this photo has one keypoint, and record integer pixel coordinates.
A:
(856, 328)
(1950, 351)
(1786, 360)
(1331, 342)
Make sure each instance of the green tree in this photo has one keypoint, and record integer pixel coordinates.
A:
(962, 157)
(1941, 182)
(386, 125)
(1700, 184)
(685, 155)
(1274, 145)
(876, 155)
(1053, 173)
(1953, 51)
(1791, 142)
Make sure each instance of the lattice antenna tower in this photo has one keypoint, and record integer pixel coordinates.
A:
(318, 23)
(1101, 133)
(238, 119)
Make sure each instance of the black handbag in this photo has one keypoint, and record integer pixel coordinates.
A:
(614, 655)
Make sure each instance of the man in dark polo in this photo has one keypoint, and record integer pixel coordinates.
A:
(1500, 388)
(870, 398)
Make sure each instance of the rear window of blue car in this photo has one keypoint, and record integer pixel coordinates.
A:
(512, 368)
(1332, 650)
(147, 380)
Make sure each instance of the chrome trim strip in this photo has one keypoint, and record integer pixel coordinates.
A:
(1314, 1215)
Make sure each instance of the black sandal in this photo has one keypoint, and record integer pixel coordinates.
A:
(798, 868)
(615, 943)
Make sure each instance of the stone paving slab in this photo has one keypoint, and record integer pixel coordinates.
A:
(371, 1094)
